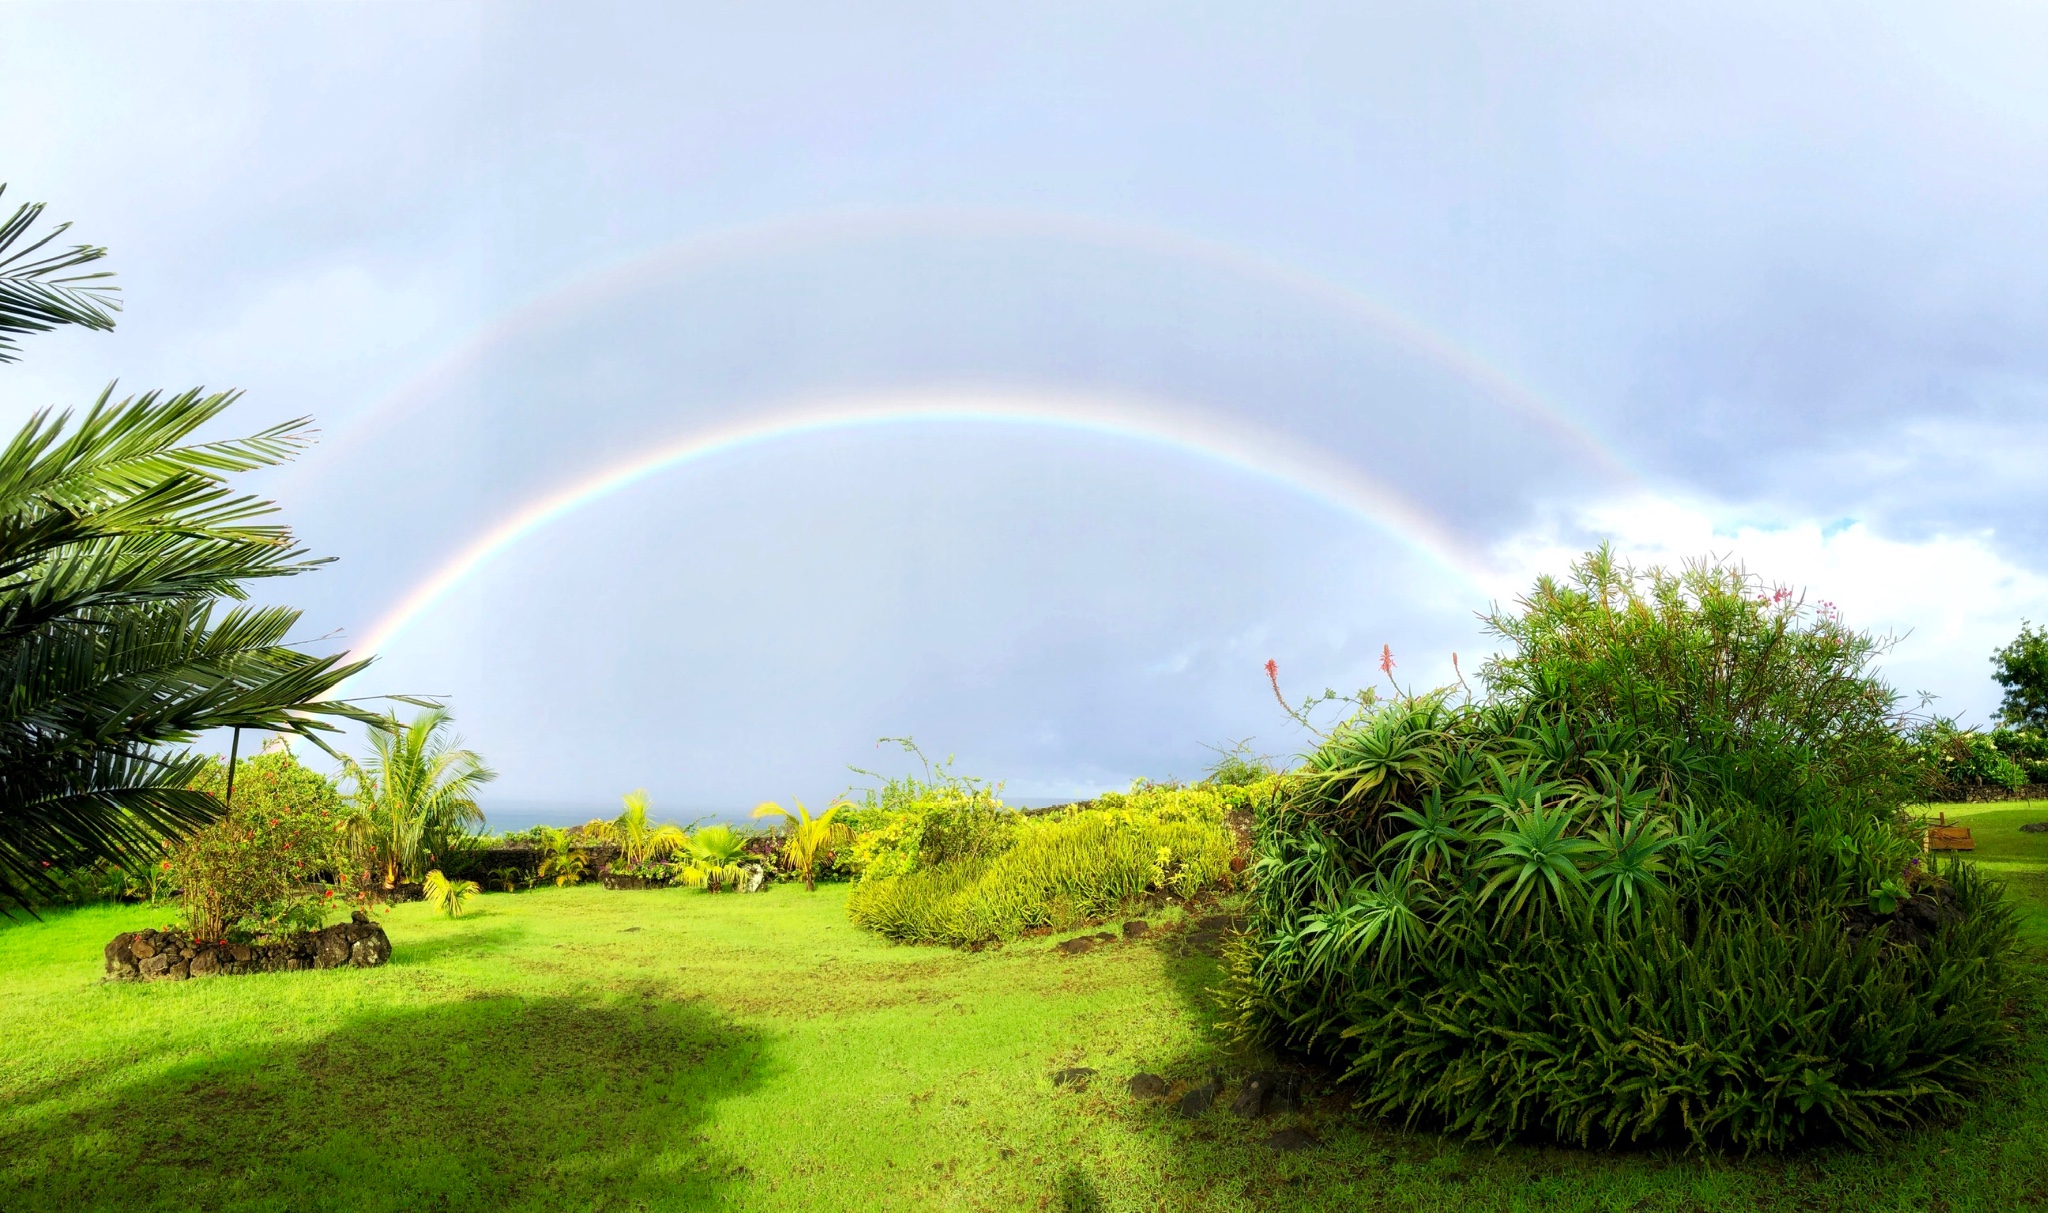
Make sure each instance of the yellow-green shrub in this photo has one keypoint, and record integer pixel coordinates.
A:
(1061, 870)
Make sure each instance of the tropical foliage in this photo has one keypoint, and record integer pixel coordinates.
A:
(716, 859)
(1957, 763)
(2021, 668)
(414, 798)
(445, 896)
(808, 842)
(640, 840)
(995, 880)
(37, 290)
(250, 873)
(119, 537)
(562, 857)
(1655, 886)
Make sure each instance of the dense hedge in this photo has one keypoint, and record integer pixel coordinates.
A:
(1655, 886)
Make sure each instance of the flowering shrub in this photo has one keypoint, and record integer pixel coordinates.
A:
(1955, 760)
(247, 873)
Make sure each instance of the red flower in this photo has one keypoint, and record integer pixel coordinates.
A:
(1387, 660)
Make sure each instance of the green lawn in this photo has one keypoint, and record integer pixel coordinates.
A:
(579, 1049)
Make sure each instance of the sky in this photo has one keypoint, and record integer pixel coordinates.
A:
(708, 391)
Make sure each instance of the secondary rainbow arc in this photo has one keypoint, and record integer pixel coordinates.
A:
(781, 234)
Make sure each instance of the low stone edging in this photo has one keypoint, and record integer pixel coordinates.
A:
(172, 956)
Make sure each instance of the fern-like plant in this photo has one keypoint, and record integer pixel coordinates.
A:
(445, 896)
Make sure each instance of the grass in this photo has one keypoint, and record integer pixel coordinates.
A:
(582, 1049)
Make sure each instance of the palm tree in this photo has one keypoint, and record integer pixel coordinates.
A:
(638, 839)
(118, 538)
(447, 896)
(811, 840)
(564, 861)
(715, 855)
(36, 295)
(417, 793)
(116, 541)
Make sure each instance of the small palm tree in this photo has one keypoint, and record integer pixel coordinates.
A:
(715, 855)
(445, 895)
(811, 840)
(564, 861)
(416, 793)
(508, 878)
(639, 840)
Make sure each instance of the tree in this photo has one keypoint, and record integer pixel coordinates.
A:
(36, 295)
(2022, 669)
(811, 840)
(117, 540)
(416, 794)
(119, 537)
(639, 840)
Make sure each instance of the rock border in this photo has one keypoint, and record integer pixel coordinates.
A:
(175, 956)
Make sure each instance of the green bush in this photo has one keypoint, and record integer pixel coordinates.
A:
(1657, 886)
(1955, 761)
(992, 878)
(248, 873)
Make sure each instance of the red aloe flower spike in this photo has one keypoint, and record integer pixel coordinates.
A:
(1387, 660)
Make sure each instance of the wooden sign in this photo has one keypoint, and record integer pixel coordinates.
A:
(1945, 837)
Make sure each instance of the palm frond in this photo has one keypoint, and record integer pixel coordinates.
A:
(36, 292)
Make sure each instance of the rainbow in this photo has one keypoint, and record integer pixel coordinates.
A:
(1296, 466)
(796, 232)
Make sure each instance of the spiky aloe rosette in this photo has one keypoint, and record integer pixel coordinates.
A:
(1657, 884)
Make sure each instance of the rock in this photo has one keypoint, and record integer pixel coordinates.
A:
(755, 881)
(1251, 1098)
(1221, 922)
(1198, 1098)
(332, 951)
(1147, 1086)
(1074, 1076)
(1205, 940)
(159, 956)
(370, 951)
(1136, 928)
(1105, 937)
(2035, 827)
(1283, 1092)
(1076, 946)
(1287, 1141)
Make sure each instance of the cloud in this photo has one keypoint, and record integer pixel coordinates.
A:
(1949, 598)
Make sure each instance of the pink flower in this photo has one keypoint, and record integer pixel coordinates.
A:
(1387, 660)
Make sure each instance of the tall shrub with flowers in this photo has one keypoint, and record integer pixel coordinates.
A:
(252, 872)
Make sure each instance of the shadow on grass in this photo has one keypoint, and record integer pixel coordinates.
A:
(492, 1103)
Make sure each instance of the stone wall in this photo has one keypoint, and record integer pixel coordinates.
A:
(173, 956)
